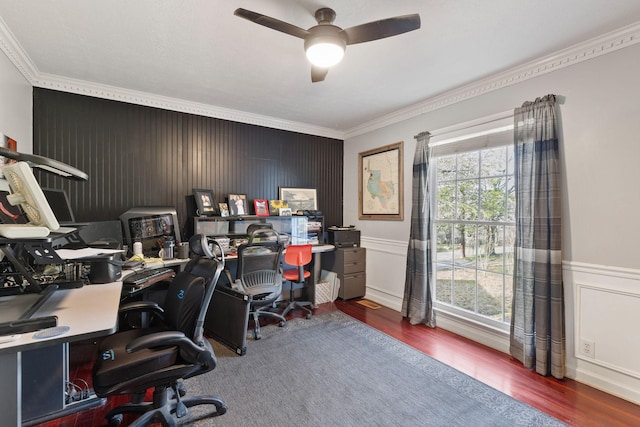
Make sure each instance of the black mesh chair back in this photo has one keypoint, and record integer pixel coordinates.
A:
(260, 274)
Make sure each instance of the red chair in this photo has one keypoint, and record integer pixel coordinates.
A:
(298, 256)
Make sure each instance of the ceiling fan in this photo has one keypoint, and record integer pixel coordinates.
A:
(325, 43)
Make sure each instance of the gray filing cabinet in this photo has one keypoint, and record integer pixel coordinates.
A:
(350, 265)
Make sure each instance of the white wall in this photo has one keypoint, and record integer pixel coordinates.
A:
(600, 119)
(16, 105)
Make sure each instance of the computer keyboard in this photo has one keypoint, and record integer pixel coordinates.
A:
(143, 276)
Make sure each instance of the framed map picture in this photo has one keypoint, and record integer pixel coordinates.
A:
(380, 178)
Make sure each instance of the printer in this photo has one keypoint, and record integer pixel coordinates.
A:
(343, 237)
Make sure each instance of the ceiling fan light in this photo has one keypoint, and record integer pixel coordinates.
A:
(325, 54)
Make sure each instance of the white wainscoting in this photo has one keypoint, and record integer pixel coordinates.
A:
(602, 307)
(386, 266)
(603, 317)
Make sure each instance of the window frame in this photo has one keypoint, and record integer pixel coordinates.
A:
(483, 133)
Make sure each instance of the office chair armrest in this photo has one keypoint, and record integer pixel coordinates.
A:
(188, 349)
(137, 308)
(158, 339)
(141, 306)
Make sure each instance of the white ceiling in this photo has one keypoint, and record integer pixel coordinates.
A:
(195, 55)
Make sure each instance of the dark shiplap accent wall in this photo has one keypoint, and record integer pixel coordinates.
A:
(143, 156)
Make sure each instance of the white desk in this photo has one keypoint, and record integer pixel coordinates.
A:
(90, 311)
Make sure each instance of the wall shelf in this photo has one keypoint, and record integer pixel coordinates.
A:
(299, 229)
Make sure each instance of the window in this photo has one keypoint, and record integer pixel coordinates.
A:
(474, 225)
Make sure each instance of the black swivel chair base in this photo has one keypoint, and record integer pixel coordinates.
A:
(298, 304)
(162, 409)
(262, 311)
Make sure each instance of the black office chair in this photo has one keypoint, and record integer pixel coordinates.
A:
(259, 275)
(159, 357)
(252, 228)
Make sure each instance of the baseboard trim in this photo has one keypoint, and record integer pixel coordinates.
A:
(482, 334)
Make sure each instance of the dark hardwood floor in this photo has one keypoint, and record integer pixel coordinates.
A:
(567, 400)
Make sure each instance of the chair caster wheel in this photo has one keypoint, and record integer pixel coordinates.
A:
(281, 323)
(115, 420)
(308, 315)
(181, 389)
(221, 410)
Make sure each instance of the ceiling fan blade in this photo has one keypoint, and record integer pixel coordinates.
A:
(274, 24)
(318, 74)
(381, 29)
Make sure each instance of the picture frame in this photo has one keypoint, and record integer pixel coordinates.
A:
(276, 205)
(238, 204)
(261, 207)
(10, 144)
(205, 201)
(380, 183)
(224, 209)
(300, 199)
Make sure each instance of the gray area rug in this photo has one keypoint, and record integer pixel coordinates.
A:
(333, 370)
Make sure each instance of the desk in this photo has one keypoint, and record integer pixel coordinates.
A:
(228, 314)
(90, 311)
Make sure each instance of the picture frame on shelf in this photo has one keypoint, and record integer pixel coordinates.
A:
(205, 201)
(9, 144)
(261, 207)
(238, 204)
(275, 205)
(284, 212)
(300, 199)
(224, 209)
(380, 183)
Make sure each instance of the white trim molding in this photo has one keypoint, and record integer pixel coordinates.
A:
(64, 84)
(610, 42)
(602, 309)
(385, 285)
(593, 48)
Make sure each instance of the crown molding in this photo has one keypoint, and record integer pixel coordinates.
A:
(27, 68)
(16, 54)
(64, 84)
(593, 48)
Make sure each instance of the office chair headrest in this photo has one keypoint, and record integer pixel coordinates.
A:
(202, 246)
(199, 245)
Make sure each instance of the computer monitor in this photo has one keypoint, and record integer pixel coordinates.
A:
(26, 192)
(151, 225)
(60, 205)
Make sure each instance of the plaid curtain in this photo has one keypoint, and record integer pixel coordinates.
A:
(537, 321)
(417, 304)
